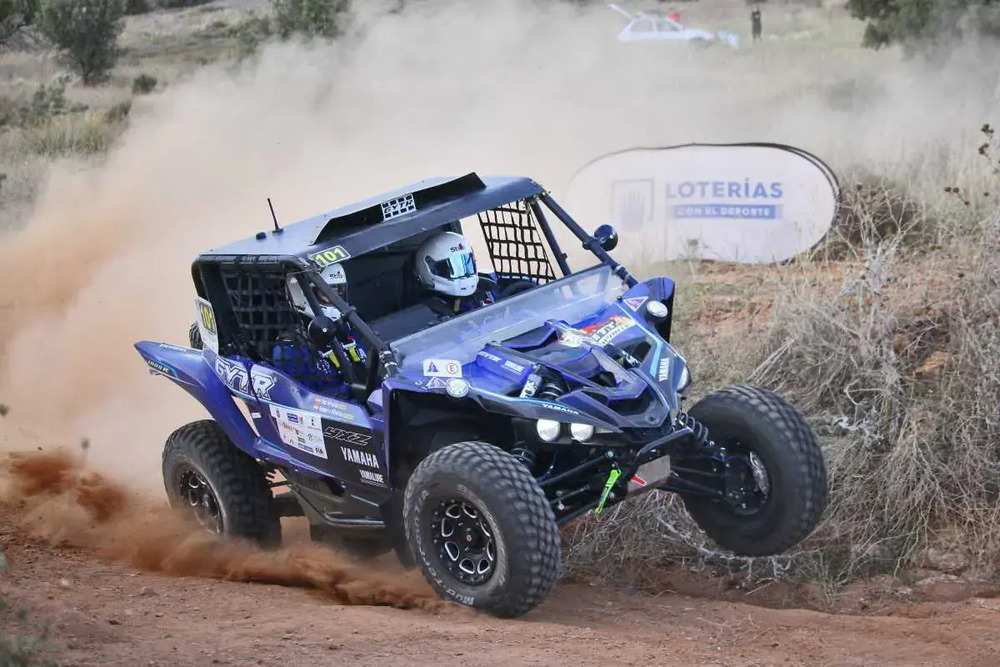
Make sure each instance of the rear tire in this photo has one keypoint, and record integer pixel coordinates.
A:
(194, 336)
(224, 488)
(472, 506)
(750, 420)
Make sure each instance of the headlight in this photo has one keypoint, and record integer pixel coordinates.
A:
(548, 430)
(581, 432)
(685, 378)
(656, 309)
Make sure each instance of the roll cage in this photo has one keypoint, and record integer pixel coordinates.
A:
(246, 281)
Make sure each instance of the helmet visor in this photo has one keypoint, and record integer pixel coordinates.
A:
(454, 267)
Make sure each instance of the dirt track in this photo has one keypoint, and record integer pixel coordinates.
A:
(116, 615)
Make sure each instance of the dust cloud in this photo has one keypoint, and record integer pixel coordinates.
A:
(510, 87)
(54, 499)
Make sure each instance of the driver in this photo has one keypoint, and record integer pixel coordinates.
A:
(446, 268)
(296, 352)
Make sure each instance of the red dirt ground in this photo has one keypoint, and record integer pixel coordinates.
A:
(113, 614)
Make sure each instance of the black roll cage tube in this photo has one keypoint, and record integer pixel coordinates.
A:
(385, 355)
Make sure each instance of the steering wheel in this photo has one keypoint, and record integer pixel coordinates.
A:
(515, 287)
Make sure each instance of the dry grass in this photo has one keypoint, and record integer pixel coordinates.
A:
(893, 354)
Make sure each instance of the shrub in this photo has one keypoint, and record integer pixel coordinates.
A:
(133, 7)
(86, 31)
(16, 15)
(46, 102)
(144, 83)
(312, 18)
(179, 4)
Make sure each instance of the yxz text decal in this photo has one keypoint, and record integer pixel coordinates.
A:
(356, 447)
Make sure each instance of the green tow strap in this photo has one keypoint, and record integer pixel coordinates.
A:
(612, 478)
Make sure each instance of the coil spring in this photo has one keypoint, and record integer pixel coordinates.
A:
(699, 429)
(549, 391)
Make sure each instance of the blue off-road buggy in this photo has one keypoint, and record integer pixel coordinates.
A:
(463, 441)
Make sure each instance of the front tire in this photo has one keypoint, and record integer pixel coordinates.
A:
(481, 529)
(224, 488)
(773, 452)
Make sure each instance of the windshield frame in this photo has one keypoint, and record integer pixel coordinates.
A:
(443, 340)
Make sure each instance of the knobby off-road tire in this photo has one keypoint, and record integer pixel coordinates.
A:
(779, 435)
(526, 541)
(194, 336)
(236, 482)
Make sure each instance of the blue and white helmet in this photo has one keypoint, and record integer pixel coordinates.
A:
(445, 264)
(334, 276)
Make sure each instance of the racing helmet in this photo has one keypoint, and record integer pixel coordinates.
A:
(334, 276)
(445, 264)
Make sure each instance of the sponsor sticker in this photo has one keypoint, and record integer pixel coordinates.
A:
(300, 430)
(333, 409)
(605, 332)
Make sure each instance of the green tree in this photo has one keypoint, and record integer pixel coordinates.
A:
(86, 32)
(16, 15)
(312, 18)
(916, 24)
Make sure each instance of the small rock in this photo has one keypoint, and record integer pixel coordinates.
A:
(159, 614)
(114, 621)
(64, 583)
(943, 560)
(146, 591)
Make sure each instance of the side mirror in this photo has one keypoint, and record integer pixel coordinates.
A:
(607, 237)
(322, 331)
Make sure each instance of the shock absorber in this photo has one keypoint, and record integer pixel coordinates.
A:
(525, 456)
(549, 391)
(700, 430)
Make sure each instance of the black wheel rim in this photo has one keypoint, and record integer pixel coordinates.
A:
(464, 541)
(196, 495)
(747, 482)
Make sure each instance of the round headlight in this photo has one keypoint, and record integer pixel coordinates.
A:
(581, 432)
(685, 378)
(656, 309)
(548, 430)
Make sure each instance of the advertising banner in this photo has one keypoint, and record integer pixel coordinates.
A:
(750, 203)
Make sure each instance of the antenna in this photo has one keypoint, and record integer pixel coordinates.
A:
(277, 229)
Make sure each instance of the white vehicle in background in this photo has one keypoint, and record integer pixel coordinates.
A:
(650, 27)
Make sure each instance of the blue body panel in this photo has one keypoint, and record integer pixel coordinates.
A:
(295, 427)
(302, 429)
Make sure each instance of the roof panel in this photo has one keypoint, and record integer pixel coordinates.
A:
(361, 226)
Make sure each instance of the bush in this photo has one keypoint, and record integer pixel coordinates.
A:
(180, 4)
(312, 18)
(133, 7)
(46, 102)
(914, 23)
(86, 31)
(15, 15)
(143, 84)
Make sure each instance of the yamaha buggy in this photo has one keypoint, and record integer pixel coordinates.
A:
(462, 441)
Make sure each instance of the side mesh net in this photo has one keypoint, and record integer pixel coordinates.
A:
(515, 243)
(272, 331)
